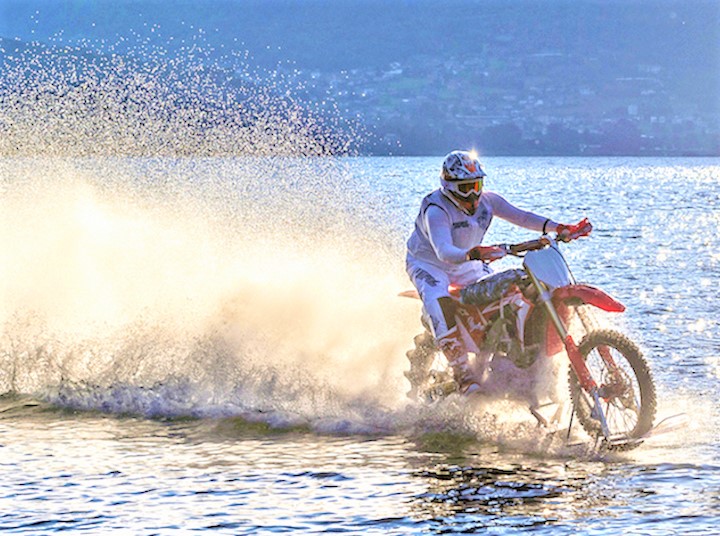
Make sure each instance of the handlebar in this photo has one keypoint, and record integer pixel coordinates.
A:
(530, 245)
(538, 243)
(493, 253)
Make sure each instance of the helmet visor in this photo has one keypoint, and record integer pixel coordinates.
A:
(467, 188)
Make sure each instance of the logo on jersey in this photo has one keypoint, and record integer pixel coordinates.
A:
(483, 216)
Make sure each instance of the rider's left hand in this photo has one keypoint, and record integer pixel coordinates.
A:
(567, 232)
(486, 253)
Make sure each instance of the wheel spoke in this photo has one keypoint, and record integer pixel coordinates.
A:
(625, 388)
(608, 367)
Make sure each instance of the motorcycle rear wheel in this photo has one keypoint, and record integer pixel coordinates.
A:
(420, 357)
(627, 389)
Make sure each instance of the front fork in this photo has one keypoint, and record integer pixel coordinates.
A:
(577, 362)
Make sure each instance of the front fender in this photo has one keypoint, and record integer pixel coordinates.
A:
(585, 294)
(565, 297)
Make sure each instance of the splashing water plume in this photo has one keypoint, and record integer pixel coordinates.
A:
(108, 282)
(161, 255)
(94, 98)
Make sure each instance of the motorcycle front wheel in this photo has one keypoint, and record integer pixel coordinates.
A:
(626, 389)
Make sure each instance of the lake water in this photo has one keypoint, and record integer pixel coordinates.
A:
(218, 345)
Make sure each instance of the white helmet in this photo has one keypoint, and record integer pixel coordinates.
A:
(462, 175)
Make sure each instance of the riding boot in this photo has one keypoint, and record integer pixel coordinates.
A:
(454, 351)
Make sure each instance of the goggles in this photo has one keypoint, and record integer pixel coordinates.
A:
(466, 188)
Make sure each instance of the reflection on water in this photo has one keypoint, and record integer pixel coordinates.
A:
(564, 496)
(490, 491)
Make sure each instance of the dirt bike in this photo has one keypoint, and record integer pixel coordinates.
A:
(520, 323)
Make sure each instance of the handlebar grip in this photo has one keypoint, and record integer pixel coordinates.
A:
(579, 230)
(530, 245)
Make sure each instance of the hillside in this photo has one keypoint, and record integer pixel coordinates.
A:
(585, 76)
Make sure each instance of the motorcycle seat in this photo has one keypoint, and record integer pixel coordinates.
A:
(491, 288)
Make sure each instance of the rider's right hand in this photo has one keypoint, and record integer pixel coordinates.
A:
(486, 253)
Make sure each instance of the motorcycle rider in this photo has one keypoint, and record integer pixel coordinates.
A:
(445, 249)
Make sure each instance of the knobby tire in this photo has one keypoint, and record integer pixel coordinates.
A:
(636, 370)
(420, 357)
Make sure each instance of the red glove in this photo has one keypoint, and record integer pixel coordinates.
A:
(486, 253)
(573, 231)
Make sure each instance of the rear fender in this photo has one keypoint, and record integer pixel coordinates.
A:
(572, 295)
(410, 294)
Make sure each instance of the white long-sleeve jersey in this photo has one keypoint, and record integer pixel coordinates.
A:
(443, 233)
